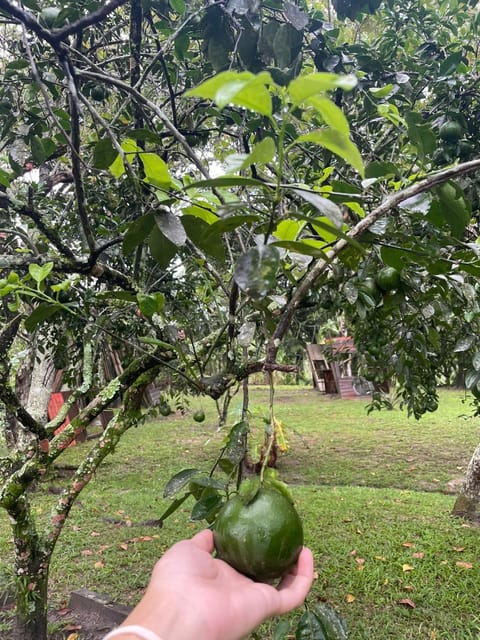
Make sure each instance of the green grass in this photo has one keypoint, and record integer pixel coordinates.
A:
(372, 491)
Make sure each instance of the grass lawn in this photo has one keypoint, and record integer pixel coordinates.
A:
(374, 492)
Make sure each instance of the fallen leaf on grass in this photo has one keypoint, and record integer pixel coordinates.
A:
(349, 598)
(72, 627)
(418, 554)
(360, 560)
(72, 636)
(124, 546)
(99, 565)
(407, 567)
(464, 565)
(407, 544)
(95, 534)
(408, 587)
(86, 552)
(353, 552)
(407, 603)
(380, 558)
(458, 549)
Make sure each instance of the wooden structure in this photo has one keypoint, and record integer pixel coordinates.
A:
(331, 364)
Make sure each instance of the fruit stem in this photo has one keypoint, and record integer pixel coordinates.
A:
(270, 430)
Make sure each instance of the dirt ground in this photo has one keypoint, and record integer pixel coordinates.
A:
(70, 624)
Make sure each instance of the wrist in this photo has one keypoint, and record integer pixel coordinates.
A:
(163, 614)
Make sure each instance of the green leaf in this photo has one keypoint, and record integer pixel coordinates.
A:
(152, 303)
(455, 208)
(243, 89)
(313, 84)
(173, 507)
(420, 134)
(394, 257)
(381, 92)
(39, 273)
(281, 630)
(289, 229)
(235, 442)
(207, 482)
(331, 114)
(178, 481)
(161, 248)
(229, 181)
(314, 248)
(256, 271)
(207, 507)
(171, 227)
(203, 213)
(333, 624)
(38, 315)
(104, 154)
(337, 143)
(225, 225)
(309, 628)
(156, 170)
(198, 232)
(39, 154)
(178, 6)
(464, 343)
(137, 232)
(249, 489)
(325, 206)
(131, 149)
(262, 153)
(377, 169)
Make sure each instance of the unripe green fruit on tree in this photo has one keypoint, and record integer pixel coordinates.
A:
(388, 279)
(199, 415)
(450, 131)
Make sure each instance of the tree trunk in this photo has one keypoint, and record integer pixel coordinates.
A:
(31, 574)
(467, 504)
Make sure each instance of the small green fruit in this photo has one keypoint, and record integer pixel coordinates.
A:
(388, 279)
(199, 415)
(164, 409)
(450, 131)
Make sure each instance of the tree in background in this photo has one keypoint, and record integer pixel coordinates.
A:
(180, 183)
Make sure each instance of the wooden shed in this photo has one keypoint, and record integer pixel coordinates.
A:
(331, 364)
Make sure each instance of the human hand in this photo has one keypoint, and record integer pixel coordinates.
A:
(193, 595)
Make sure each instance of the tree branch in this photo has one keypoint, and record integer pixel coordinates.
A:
(321, 265)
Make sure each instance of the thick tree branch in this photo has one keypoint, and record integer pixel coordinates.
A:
(87, 21)
(383, 209)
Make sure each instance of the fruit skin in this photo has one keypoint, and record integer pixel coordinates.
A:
(261, 539)
(199, 415)
(450, 131)
(388, 279)
(164, 409)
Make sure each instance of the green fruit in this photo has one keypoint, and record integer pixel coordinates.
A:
(48, 16)
(388, 279)
(98, 93)
(450, 131)
(369, 286)
(164, 409)
(465, 149)
(199, 416)
(261, 538)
